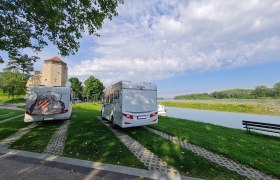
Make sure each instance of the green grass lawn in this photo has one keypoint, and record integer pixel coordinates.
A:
(186, 162)
(38, 138)
(217, 106)
(7, 113)
(90, 139)
(259, 151)
(10, 127)
(6, 99)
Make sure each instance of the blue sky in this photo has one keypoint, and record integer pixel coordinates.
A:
(183, 46)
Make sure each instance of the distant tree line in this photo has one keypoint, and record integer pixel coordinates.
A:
(91, 90)
(258, 92)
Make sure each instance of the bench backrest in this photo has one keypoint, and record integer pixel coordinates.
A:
(260, 124)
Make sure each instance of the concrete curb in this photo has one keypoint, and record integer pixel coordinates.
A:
(11, 118)
(90, 164)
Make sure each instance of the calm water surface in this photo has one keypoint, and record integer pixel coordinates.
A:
(230, 101)
(227, 119)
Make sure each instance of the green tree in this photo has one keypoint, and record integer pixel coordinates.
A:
(260, 91)
(77, 88)
(22, 63)
(93, 88)
(33, 24)
(13, 83)
(276, 89)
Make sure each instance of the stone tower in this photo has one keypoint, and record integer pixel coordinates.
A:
(55, 72)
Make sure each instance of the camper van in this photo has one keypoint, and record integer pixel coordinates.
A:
(129, 104)
(45, 103)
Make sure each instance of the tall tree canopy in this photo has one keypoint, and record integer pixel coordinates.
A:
(13, 83)
(93, 88)
(76, 86)
(32, 24)
(22, 63)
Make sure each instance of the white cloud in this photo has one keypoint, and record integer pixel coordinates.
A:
(152, 40)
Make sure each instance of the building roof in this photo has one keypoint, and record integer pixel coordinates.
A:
(56, 59)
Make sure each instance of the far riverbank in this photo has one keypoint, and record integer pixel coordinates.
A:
(268, 109)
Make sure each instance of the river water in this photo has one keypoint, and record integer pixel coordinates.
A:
(230, 101)
(227, 119)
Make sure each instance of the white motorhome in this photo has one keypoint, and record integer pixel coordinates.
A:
(48, 103)
(129, 104)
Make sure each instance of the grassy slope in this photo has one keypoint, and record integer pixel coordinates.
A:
(38, 138)
(10, 127)
(186, 162)
(6, 99)
(243, 108)
(7, 113)
(89, 139)
(256, 150)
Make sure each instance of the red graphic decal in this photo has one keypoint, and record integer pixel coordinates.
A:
(42, 104)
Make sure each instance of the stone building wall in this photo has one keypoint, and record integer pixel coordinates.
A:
(54, 73)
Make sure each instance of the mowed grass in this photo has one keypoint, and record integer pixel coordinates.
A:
(89, 139)
(4, 98)
(10, 127)
(7, 113)
(186, 162)
(38, 138)
(218, 106)
(259, 151)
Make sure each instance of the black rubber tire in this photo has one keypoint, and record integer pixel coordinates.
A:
(102, 116)
(113, 123)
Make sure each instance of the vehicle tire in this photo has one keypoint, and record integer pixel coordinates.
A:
(113, 123)
(102, 118)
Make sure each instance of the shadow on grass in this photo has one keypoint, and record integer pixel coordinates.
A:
(254, 149)
(38, 138)
(90, 139)
(186, 162)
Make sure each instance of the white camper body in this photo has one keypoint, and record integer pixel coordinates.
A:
(129, 104)
(48, 103)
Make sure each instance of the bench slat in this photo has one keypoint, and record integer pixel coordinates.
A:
(254, 122)
(264, 126)
(265, 130)
(261, 126)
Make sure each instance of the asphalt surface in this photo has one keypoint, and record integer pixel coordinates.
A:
(21, 168)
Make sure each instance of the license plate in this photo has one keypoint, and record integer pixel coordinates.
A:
(48, 118)
(141, 117)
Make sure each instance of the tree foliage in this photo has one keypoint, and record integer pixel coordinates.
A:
(22, 63)
(258, 92)
(93, 88)
(76, 87)
(276, 88)
(13, 83)
(33, 24)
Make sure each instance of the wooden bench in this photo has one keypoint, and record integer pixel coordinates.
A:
(275, 128)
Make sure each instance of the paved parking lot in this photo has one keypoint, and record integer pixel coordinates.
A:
(18, 167)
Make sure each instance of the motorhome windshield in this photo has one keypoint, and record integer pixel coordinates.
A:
(137, 100)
